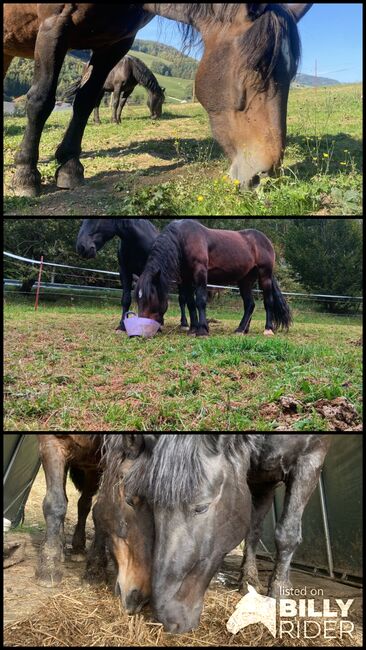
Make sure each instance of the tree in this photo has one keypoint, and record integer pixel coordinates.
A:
(327, 256)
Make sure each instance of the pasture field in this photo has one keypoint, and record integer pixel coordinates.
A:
(67, 370)
(173, 167)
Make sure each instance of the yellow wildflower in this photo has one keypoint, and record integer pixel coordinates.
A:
(200, 198)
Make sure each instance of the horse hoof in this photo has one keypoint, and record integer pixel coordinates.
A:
(203, 332)
(119, 330)
(26, 183)
(49, 580)
(269, 333)
(192, 332)
(184, 328)
(70, 175)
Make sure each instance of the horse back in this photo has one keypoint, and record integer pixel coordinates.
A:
(228, 254)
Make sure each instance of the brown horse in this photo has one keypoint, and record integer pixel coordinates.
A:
(192, 255)
(251, 53)
(126, 530)
(123, 526)
(122, 81)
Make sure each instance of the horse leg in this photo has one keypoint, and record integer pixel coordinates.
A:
(126, 281)
(7, 61)
(50, 51)
(121, 104)
(71, 172)
(265, 283)
(246, 292)
(200, 280)
(262, 501)
(96, 568)
(182, 305)
(301, 485)
(116, 96)
(96, 108)
(192, 308)
(48, 572)
(90, 488)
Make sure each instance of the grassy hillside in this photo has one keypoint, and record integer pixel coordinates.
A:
(172, 167)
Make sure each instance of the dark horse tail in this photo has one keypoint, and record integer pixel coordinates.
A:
(71, 91)
(282, 317)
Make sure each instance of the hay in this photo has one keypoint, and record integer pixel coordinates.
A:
(89, 616)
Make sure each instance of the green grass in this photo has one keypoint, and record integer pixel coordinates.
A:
(172, 167)
(66, 370)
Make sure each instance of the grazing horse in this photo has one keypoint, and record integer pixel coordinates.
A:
(208, 493)
(137, 238)
(122, 81)
(251, 54)
(123, 526)
(193, 255)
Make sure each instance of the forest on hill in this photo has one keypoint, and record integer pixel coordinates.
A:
(163, 60)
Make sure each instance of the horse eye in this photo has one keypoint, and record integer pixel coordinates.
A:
(129, 501)
(200, 510)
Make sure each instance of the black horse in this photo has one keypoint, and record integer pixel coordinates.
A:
(193, 255)
(122, 81)
(137, 238)
(208, 493)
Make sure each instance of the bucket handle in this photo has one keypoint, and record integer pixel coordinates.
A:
(129, 313)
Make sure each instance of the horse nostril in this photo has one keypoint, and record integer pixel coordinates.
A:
(254, 182)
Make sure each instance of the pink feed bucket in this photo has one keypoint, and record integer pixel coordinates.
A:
(136, 326)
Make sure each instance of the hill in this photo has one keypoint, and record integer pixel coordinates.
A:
(308, 80)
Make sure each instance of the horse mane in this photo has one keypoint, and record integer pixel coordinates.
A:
(261, 44)
(172, 472)
(144, 76)
(165, 256)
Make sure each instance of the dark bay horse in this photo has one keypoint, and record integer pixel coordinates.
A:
(123, 526)
(251, 53)
(193, 255)
(208, 493)
(137, 238)
(122, 81)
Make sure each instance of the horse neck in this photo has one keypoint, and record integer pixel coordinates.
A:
(180, 11)
(128, 227)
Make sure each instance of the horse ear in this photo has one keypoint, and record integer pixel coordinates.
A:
(256, 9)
(156, 277)
(217, 442)
(150, 440)
(132, 445)
(299, 10)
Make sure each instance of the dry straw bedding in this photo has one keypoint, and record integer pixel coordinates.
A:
(89, 617)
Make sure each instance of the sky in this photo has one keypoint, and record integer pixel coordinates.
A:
(331, 34)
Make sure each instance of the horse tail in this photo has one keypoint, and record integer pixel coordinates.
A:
(282, 316)
(71, 91)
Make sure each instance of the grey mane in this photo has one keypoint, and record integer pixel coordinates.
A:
(171, 474)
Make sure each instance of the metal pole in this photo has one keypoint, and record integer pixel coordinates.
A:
(39, 284)
(326, 527)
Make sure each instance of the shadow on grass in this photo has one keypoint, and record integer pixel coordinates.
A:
(190, 149)
(340, 148)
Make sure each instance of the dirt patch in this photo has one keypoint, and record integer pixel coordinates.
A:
(340, 414)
